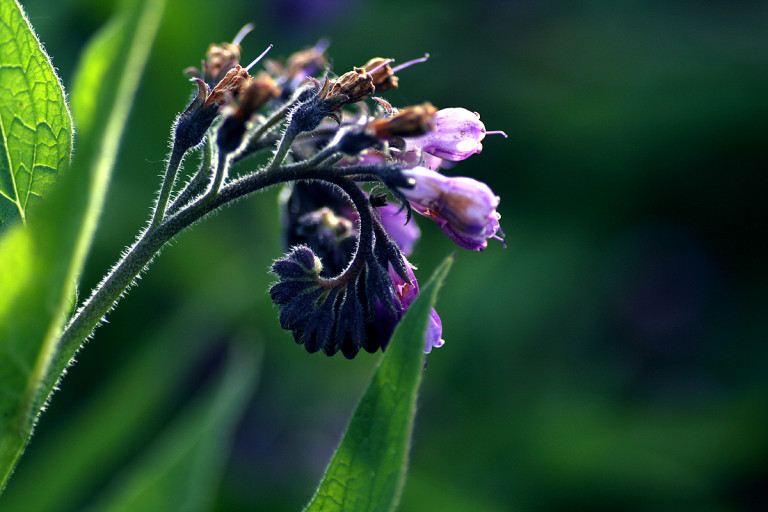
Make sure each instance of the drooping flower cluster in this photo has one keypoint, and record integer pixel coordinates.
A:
(354, 171)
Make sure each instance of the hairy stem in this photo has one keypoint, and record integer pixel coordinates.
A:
(254, 138)
(177, 155)
(138, 257)
(201, 178)
(365, 239)
(221, 171)
(282, 149)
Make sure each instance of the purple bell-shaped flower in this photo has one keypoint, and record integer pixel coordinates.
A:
(464, 208)
(458, 134)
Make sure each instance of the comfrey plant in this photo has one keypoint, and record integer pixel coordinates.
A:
(354, 176)
(346, 281)
(353, 168)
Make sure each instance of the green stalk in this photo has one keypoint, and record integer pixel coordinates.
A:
(177, 155)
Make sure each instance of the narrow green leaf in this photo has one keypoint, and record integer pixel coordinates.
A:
(35, 124)
(92, 85)
(101, 432)
(367, 471)
(56, 240)
(181, 470)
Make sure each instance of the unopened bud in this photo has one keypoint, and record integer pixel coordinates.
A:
(408, 122)
(229, 87)
(306, 62)
(257, 93)
(356, 85)
(222, 57)
(383, 76)
(192, 124)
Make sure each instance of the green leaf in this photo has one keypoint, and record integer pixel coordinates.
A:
(104, 429)
(35, 124)
(40, 263)
(367, 471)
(181, 471)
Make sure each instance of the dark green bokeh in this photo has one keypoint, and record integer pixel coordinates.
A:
(611, 358)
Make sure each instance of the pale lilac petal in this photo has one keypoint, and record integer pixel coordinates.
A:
(407, 293)
(434, 332)
(393, 218)
(464, 208)
(457, 135)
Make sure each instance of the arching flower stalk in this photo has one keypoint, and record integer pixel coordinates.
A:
(354, 169)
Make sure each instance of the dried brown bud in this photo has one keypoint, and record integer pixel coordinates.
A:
(260, 89)
(310, 60)
(220, 58)
(408, 122)
(229, 87)
(356, 85)
(383, 76)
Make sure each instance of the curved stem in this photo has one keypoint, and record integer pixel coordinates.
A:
(221, 171)
(365, 239)
(325, 154)
(106, 295)
(149, 243)
(177, 155)
(282, 149)
(267, 141)
(253, 140)
(197, 184)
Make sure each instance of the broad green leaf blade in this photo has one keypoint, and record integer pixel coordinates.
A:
(181, 471)
(55, 242)
(367, 471)
(35, 124)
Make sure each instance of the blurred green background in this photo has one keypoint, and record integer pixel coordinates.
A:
(613, 357)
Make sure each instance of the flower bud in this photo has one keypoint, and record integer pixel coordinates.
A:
(297, 291)
(464, 208)
(457, 135)
(408, 122)
(193, 123)
(434, 332)
(254, 94)
(361, 309)
(300, 65)
(317, 333)
(356, 85)
(220, 58)
(383, 76)
(384, 322)
(258, 91)
(229, 87)
(308, 114)
(350, 325)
